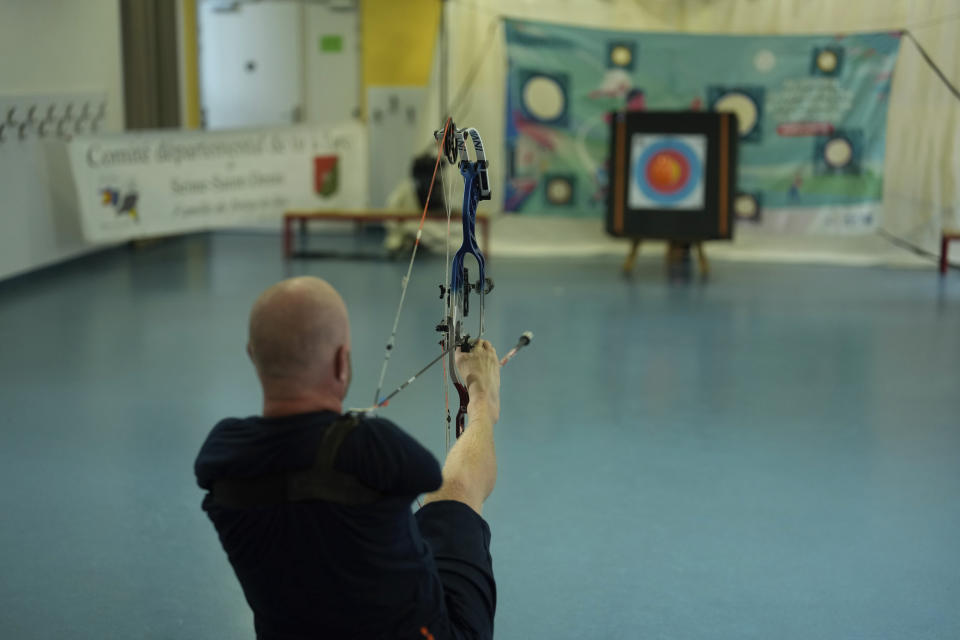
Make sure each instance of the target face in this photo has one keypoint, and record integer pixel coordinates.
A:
(543, 97)
(826, 61)
(559, 189)
(838, 152)
(746, 206)
(667, 171)
(742, 105)
(745, 101)
(621, 55)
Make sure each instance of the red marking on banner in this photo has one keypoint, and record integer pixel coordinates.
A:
(801, 129)
(539, 134)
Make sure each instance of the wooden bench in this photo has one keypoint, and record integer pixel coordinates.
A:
(304, 216)
(946, 238)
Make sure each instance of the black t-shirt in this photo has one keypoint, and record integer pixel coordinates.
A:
(319, 569)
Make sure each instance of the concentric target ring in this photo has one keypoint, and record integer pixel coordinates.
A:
(667, 171)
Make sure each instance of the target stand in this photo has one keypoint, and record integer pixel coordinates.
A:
(673, 177)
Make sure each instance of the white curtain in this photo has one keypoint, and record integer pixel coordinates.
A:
(921, 195)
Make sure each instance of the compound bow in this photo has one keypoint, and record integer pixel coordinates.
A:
(476, 187)
(451, 145)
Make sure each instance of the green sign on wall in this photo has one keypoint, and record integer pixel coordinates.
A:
(331, 43)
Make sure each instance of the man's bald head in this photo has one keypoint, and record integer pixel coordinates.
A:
(300, 338)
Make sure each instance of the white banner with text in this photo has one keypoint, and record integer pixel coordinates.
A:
(135, 185)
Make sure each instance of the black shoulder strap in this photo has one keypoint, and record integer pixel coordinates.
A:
(319, 482)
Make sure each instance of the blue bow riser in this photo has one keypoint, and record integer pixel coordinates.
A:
(471, 197)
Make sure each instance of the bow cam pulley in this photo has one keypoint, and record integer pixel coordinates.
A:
(447, 137)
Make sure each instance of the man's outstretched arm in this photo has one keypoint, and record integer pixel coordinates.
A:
(470, 471)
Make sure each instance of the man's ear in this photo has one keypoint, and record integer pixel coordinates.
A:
(342, 364)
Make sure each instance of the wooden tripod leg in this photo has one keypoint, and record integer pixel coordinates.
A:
(702, 261)
(632, 256)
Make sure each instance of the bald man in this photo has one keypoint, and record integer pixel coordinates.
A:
(312, 505)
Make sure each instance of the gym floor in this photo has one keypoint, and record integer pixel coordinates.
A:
(774, 453)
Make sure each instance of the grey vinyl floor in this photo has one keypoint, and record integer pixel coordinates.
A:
(774, 453)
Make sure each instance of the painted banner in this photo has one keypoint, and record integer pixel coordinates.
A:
(811, 111)
(134, 185)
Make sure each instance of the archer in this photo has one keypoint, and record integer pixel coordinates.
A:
(313, 506)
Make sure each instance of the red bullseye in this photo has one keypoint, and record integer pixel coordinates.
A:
(668, 171)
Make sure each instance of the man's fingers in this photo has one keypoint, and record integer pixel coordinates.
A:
(488, 346)
(480, 346)
(483, 346)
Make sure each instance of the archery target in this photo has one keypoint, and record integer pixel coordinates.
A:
(746, 102)
(826, 61)
(838, 152)
(746, 206)
(620, 55)
(666, 171)
(742, 105)
(559, 189)
(544, 98)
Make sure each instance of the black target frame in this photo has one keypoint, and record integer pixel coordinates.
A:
(715, 220)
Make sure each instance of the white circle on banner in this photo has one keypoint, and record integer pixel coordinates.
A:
(827, 61)
(745, 206)
(764, 60)
(559, 191)
(620, 56)
(742, 105)
(838, 152)
(543, 97)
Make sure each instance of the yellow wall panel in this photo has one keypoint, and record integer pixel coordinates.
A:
(190, 82)
(398, 41)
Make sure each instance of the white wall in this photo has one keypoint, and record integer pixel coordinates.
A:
(51, 48)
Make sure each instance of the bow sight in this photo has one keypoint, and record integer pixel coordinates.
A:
(484, 287)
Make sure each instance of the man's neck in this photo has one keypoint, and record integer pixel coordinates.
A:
(279, 407)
